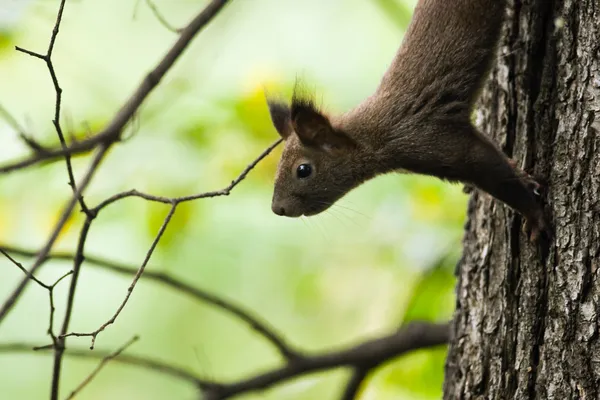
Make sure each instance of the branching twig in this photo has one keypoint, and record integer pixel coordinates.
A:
(177, 200)
(136, 278)
(103, 362)
(113, 129)
(59, 343)
(179, 286)
(47, 58)
(174, 202)
(143, 362)
(43, 253)
(362, 358)
(49, 288)
(109, 135)
(53, 309)
(376, 351)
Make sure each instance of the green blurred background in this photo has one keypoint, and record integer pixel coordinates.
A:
(332, 280)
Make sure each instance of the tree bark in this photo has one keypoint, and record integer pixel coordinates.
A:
(526, 320)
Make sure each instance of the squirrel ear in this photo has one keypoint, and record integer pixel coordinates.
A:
(313, 129)
(281, 117)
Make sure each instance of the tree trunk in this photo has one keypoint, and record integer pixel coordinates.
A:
(526, 320)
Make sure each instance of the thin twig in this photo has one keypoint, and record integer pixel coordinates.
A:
(127, 359)
(113, 129)
(161, 18)
(43, 256)
(101, 365)
(43, 253)
(49, 288)
(47, 58)
(108, 135)
(27, 273)
(226, 191)
(136, 278)
(174, 202)
(60, 343)
(179, 286)
(53, 309)
(376, 351)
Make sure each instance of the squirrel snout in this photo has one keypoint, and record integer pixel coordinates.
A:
(278, 209)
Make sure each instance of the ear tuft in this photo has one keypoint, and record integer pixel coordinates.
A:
(312, 126)
(281, 117)
(308, 122)
(302, 101)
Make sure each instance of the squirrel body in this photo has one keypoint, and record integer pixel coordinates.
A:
(417, 120)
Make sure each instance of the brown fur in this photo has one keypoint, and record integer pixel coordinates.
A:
(418, 119)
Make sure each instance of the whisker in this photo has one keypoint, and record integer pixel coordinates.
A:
(320, 227)
(346, 208)
(303, 219)
(312, 223)
(340, 210)
(353, 210)
(330, 212)
(350, 218)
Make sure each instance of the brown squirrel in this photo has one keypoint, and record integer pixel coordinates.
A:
(418, 120)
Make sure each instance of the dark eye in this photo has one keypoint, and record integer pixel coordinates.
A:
(304, 171)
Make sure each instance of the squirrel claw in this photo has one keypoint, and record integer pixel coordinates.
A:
(529, 181)
(535, 227)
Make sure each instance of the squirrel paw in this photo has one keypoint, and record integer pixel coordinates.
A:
(529, 181)
(536, 227)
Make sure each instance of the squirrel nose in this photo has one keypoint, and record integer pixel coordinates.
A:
(277, 209)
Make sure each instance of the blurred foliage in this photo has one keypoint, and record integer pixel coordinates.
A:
(381, 257)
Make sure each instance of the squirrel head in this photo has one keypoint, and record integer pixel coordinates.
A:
(316, 166)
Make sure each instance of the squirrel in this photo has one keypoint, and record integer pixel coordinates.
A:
(417, 120)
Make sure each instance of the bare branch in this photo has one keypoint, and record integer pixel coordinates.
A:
(110, 134)
(377, 351)
(412, 337)
(27, 273)
(49, 288)
(143, 362)
(99, 367)
(176, 200)
(53, 309)
(47, 58)
(41, 256)
(112, 131)
(52, 155)
(59, 344)
(180, 286)
(136, 278)
(9, 303)
(31, 53)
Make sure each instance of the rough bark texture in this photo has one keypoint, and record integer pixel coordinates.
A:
(526, 323)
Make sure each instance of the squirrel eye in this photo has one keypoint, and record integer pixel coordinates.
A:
(304, 171)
